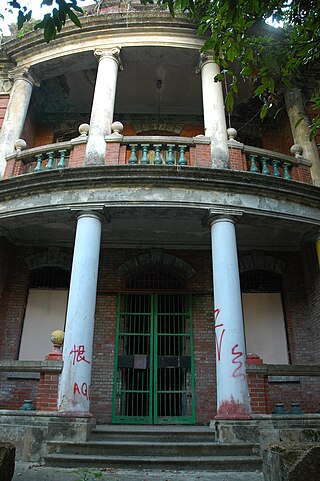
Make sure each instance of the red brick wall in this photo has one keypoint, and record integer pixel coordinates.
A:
(77, 155)
(4, 100)
(302, 315)
(237, 160)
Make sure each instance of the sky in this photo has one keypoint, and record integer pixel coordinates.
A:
(34, 5)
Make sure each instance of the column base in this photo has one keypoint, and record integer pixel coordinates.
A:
(75, 414)
(232, 410)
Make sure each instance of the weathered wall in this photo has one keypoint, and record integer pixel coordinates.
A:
(301, 312)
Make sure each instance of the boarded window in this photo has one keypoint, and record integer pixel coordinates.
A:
(265, 327)
(264, 321)
(45, 311)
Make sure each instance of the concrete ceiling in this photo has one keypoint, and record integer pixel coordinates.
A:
(143, 227)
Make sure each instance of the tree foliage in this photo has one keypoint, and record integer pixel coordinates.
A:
(51, 23)
(243, 44)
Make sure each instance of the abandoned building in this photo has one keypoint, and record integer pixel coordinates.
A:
(173, 244)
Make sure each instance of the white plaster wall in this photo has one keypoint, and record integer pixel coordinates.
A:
(45, 312)
(264, 327)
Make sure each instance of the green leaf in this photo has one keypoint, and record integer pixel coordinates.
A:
(259, 90)
(264, 111)
(229, 101)
(246, 71)
(73, 17)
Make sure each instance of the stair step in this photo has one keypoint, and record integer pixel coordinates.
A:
(223, 463)
(153, 433)
(147, 448)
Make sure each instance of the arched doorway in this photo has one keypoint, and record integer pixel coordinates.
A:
(154, 372)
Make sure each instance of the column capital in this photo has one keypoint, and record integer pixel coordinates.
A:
(205, 58)
(221, 214)
(112, 53)
(24, 73)
(99, 212)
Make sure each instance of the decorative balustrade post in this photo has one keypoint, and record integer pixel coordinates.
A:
(157, 155)
(145, 154)
(170, 156)
(62, 162)
(286, 170)
(275, 164)
(38, 167)
(103, 105)
(16, 113)
(49, 165)
(214, 111)
(264, 163)
(133, 157)
(182, 159)
(253, 164)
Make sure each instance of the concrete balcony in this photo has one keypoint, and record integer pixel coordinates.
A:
(177, 152)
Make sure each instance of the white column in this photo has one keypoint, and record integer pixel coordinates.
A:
(232, 388)
(103, 105)
(15, 116)
(300, 130)
(74, 391)
(214, 112)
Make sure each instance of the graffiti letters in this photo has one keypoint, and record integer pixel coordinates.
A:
(78, 354)
(218, 335)
(83, 390)
(237, 362)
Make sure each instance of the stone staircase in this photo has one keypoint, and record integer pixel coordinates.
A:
(155, 447)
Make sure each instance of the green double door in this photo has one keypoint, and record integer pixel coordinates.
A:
(154, 369)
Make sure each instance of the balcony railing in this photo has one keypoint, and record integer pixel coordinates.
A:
(158, 150)
(269, 163)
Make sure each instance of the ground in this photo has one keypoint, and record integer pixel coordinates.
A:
(37, 472)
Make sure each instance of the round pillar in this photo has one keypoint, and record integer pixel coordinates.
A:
(74, 392)
(299, 123)
(214, 112)
(15, 116)
(232, 387)
(103, 105)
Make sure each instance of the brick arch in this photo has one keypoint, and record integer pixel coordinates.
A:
(52, 257)
(257, 260)
(156, 258)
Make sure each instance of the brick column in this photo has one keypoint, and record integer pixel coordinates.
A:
(47, 398)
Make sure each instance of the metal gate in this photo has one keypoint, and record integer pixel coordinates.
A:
(154, 370)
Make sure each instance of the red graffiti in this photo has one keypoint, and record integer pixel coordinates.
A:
(78, 354)
(239, 363)
(219, 338)
(83, 391)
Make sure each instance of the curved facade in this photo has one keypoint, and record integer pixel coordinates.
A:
(193, 290)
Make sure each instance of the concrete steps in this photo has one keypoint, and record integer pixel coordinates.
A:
(169, 447)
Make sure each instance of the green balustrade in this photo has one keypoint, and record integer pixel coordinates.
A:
(49, 165)
(39, 158)
(264, 163)
(253, 165)
(145, 154)
(170, 155)
(62, 162)
(182, 159)
(286, 170)
(133, 157)
(275, 164)
(157, 155)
